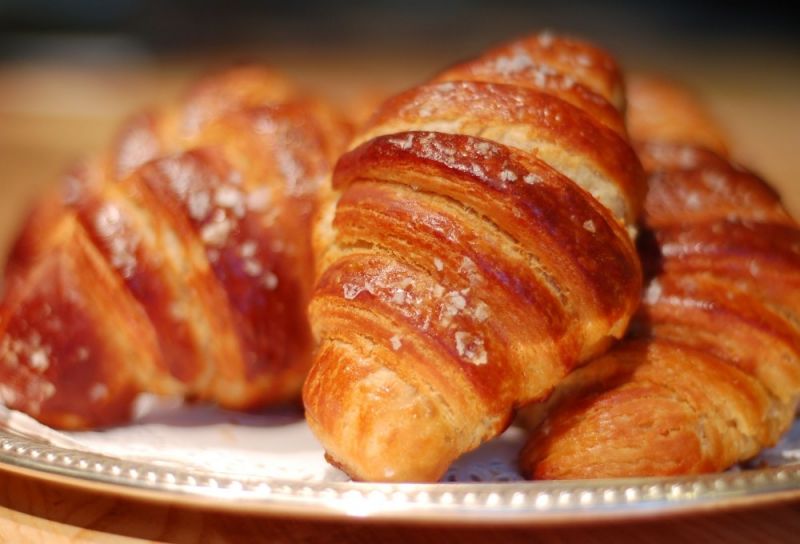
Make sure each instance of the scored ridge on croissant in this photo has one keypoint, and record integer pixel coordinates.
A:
(177, 262)
(711, 373)
(473, 251)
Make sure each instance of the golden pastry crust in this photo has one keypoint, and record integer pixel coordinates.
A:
(585, 77)
(473, 251)
(651, 407)
(562, 135)
(178, 262)
(668, 113)
(712, 374)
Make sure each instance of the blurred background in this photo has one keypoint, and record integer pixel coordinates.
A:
(70, 70)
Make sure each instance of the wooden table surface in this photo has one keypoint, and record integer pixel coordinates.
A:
(35, 512)
(51, 114)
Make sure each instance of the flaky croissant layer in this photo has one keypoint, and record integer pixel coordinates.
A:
(178, 262)
(712, 373)
(474, 249)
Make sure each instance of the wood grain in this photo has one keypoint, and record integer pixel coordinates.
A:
(32, 511)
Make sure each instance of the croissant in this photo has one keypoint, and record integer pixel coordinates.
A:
(711, 373)
(178, 262)
(475, 248)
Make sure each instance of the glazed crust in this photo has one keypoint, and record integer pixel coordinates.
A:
(711, 373)
(475, 249)
(178, 262)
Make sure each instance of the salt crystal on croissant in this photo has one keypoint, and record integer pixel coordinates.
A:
(176, 263)
(475, 249)
(711, 374)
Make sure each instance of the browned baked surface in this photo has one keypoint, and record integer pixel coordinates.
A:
(178, 262)
(473, 250)
(713, 373)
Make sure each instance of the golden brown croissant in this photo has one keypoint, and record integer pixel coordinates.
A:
(712, 373)
(475, 251)
(178, 262)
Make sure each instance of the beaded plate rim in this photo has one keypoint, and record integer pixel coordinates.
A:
(462, 503)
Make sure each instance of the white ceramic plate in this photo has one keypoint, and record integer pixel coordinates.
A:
(482, 488)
